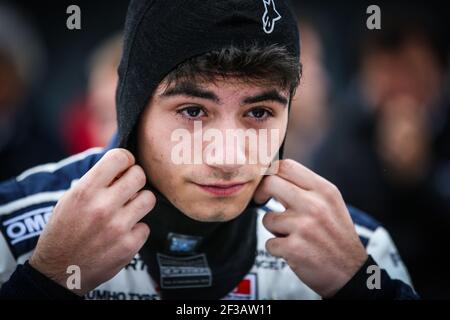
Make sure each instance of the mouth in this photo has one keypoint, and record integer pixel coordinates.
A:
(222, 190)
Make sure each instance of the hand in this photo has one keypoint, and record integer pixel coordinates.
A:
(315, 235)
(95, 224)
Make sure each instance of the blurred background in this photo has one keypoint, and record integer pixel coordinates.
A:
(372, 113)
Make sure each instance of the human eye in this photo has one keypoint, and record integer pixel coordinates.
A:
(259, 114)
(192, 112)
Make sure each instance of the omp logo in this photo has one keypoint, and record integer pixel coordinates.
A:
(27, 225)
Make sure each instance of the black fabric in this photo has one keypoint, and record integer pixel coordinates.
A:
(229, 247)
(28, 283)
(159, 35)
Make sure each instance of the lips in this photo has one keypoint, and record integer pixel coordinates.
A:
(222, 189)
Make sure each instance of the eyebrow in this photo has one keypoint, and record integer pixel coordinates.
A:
(271, 95)
(190, 90)
(193, 90)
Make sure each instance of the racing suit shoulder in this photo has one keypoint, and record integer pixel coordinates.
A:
(373, 236)
(27, 201)
(379, 244)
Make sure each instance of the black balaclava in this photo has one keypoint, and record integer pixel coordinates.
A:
(190, 259)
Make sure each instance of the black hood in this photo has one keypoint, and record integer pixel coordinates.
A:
(161, 34)
(190, 259)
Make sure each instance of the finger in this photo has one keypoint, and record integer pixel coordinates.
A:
(279, 224)
(288, 194)
(298, 174)
(139, 235)
(139, 207)
(277, 247)
(131, 181)
(132, 242)
(105, 171)
(317, 186)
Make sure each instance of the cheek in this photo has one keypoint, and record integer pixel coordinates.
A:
(154, 148)
(154, 135)
(284, 121)
(274, 135)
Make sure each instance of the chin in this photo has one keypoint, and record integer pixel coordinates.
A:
(203, 207)
(217, 214)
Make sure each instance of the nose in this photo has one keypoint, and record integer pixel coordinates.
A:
(225, 147)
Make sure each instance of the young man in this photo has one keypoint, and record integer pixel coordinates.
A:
(228, 65)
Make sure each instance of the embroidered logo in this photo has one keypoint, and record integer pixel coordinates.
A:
(270, 16)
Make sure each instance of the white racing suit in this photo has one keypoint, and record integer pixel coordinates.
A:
(26, 204)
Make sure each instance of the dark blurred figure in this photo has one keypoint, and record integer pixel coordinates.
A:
(308, 118)
(91, 120)
(388, 150)
(23, 143)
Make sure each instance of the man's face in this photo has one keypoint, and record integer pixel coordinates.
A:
(201, 188)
